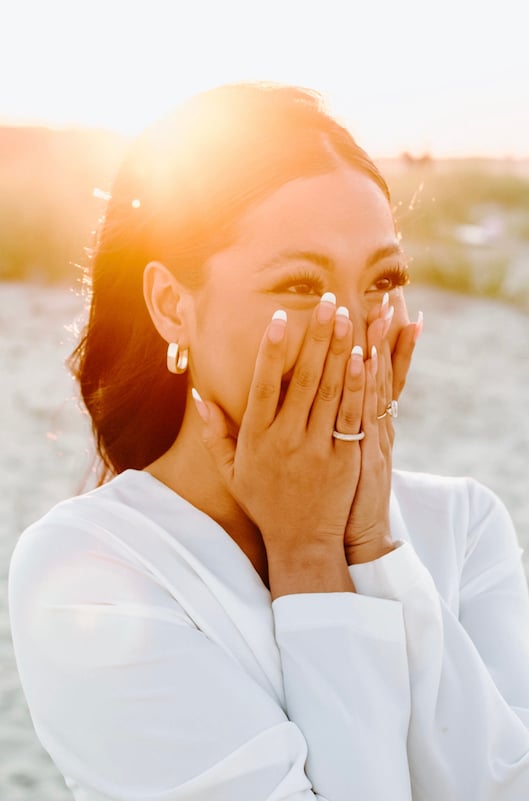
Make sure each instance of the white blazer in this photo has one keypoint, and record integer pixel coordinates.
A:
(156, 667)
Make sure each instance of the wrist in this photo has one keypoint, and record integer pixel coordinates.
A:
(309, 569)
(369, 551)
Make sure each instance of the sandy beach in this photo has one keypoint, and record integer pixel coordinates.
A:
(465, 411)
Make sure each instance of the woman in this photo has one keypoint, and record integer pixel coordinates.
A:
(254, 607)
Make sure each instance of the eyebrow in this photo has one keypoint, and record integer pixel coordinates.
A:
(324, 261)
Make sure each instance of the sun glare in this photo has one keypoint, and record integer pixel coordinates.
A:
(403, 76)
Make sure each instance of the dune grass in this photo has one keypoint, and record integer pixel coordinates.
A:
(464, 224)
(47, 206)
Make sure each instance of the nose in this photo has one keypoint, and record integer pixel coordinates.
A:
(359, 318)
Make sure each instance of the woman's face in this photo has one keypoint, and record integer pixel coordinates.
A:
(331, 232)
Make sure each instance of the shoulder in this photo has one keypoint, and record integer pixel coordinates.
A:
(463, 499)
(453, 523)
(63, 522)
(75, 542)
(128, 493)
(82, 553)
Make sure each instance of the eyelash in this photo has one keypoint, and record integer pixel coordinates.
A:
(312, 280)
(395, 276)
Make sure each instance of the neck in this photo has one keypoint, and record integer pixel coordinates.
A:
(188, 469)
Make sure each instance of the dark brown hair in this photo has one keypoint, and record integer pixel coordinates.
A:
(177, 197)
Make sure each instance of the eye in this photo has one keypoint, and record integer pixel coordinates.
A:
(390, 278)
(303, 283)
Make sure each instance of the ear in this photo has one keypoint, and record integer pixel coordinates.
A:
(168, 302)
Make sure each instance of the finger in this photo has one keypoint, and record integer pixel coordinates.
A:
(369, 413)
(327, 400)
(379, 324)
(349, 418)
(387, 431)
(309, 366)
(379, 310)
(384, 378)
(377, 338)
(387, 373)
(266, 382)
(375, 454)
(215, 436)
(403, 352)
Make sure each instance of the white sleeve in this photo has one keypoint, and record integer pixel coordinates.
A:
(345, 674)
(134, 703)
(469, 674)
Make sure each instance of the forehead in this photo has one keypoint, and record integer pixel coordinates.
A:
(337, 211)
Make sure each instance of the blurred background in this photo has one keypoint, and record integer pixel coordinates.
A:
(437, 93)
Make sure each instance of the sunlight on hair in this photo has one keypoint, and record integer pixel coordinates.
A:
(100, 194)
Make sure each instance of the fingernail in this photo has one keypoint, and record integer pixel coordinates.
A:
(418, 327)
(328, 297)
(356, 361)
(383, 305)
(278, 326)
(374, 361)
(341, 323)
(201, 407)
(326, 307)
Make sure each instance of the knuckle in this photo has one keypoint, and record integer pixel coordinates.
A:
(339, 346)
(289, 446)
(320, 333)
(349, 417)
(355, 383)
(264, 389)
(306, 377)
(209, 442)
(273, 352)
(329, 391)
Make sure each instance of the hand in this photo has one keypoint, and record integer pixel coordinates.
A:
(285, 469)
(367, 534)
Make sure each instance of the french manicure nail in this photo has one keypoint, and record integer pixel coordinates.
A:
(385, 301)
(277, 327)
(328, 297)
(341, 322)
(374, 360)
(356, 361)
(202, 409)
(326, 307)
(418, 326)
(389, 314)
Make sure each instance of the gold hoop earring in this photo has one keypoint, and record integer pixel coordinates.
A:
(177, 359)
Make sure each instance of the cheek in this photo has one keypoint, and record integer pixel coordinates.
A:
(228, 361)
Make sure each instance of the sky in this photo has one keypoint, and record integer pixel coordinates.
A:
(450, 78)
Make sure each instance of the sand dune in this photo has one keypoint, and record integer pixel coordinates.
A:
(465, 412)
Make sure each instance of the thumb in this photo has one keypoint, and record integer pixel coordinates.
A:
(215, 436)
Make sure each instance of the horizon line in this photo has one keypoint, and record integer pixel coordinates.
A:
(415, 156)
